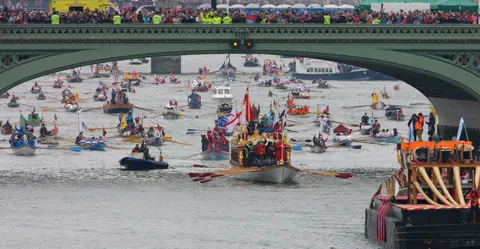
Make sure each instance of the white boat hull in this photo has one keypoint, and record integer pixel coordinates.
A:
(273, 174)
(24, 151)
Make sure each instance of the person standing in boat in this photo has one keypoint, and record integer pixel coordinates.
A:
(431, 126)
(205, 142)
(249, 154)
(411, 123)
(43, 131)
(365, 120)
(375, 127)
(419, 127)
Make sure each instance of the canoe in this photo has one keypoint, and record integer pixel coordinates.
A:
(48, 140)
(24, 150)
(271, 174)
(316, 149)
(133, 163)
(378, 106)
(215, 155)
(117, 108)
(13, 104)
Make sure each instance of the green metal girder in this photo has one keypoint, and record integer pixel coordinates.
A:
(340, 33)
(437, 52)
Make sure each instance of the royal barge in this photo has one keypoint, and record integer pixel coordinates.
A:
(431, 201)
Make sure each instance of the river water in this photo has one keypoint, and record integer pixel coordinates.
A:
(64, 199)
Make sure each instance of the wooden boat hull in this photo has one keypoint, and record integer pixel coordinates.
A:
(48, 140)
(378, 106)
(302, 97)
(317, 149)
(118, 108)
(271, 174)
(5, 131)
(131, 163)
(24, 150)
(215, 155)
(13, 105)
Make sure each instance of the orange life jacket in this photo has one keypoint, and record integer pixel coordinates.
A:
(419, 123)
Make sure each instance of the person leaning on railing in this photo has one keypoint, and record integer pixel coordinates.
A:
(55, 18)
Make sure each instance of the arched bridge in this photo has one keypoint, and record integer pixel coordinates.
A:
(441, 61)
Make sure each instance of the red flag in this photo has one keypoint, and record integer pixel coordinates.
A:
(248, 107)
(104, 132)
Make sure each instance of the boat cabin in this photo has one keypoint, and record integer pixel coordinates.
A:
(222, 91)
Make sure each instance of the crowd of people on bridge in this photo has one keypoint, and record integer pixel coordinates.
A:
(177, 15)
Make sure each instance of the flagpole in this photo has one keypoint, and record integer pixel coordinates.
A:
(466, 133)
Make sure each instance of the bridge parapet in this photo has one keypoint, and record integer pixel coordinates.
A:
(343, 33)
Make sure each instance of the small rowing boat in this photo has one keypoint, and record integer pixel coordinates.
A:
(23, 144)
(72, 107)
(94, 145)
(136, 161)
(99, 97)
(75, 79)
(117, 108)
(36, 90)
(342, 136)
(378, 105)
(222, 94)
(13, 104)
(316, 148)
(48, 139)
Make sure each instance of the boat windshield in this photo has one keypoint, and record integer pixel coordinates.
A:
(219, 91)
(227, 91)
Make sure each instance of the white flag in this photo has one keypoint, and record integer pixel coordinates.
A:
(83, 126)
(460, 128)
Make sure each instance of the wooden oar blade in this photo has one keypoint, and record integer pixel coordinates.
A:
(343, 175)
(194, 174)
(205, 181)
(199, 179)
(199, 166)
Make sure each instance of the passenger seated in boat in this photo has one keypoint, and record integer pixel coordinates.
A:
(140, 129)
(376, 127)
(43, 131)
(136, 149)
(365, 120)
(249, 154)
(151, 133)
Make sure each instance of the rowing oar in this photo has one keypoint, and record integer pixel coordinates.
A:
(356, 106)
(343, 175)
(190, 156)
(290, 125)
(46, 108)
(354, 125)
(54, 147)
(108, 128)
(145, 109)
(4, 148)
(178, 142)
(91, 109)
(193, 131)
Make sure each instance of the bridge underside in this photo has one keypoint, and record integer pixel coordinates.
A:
(449, 79)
